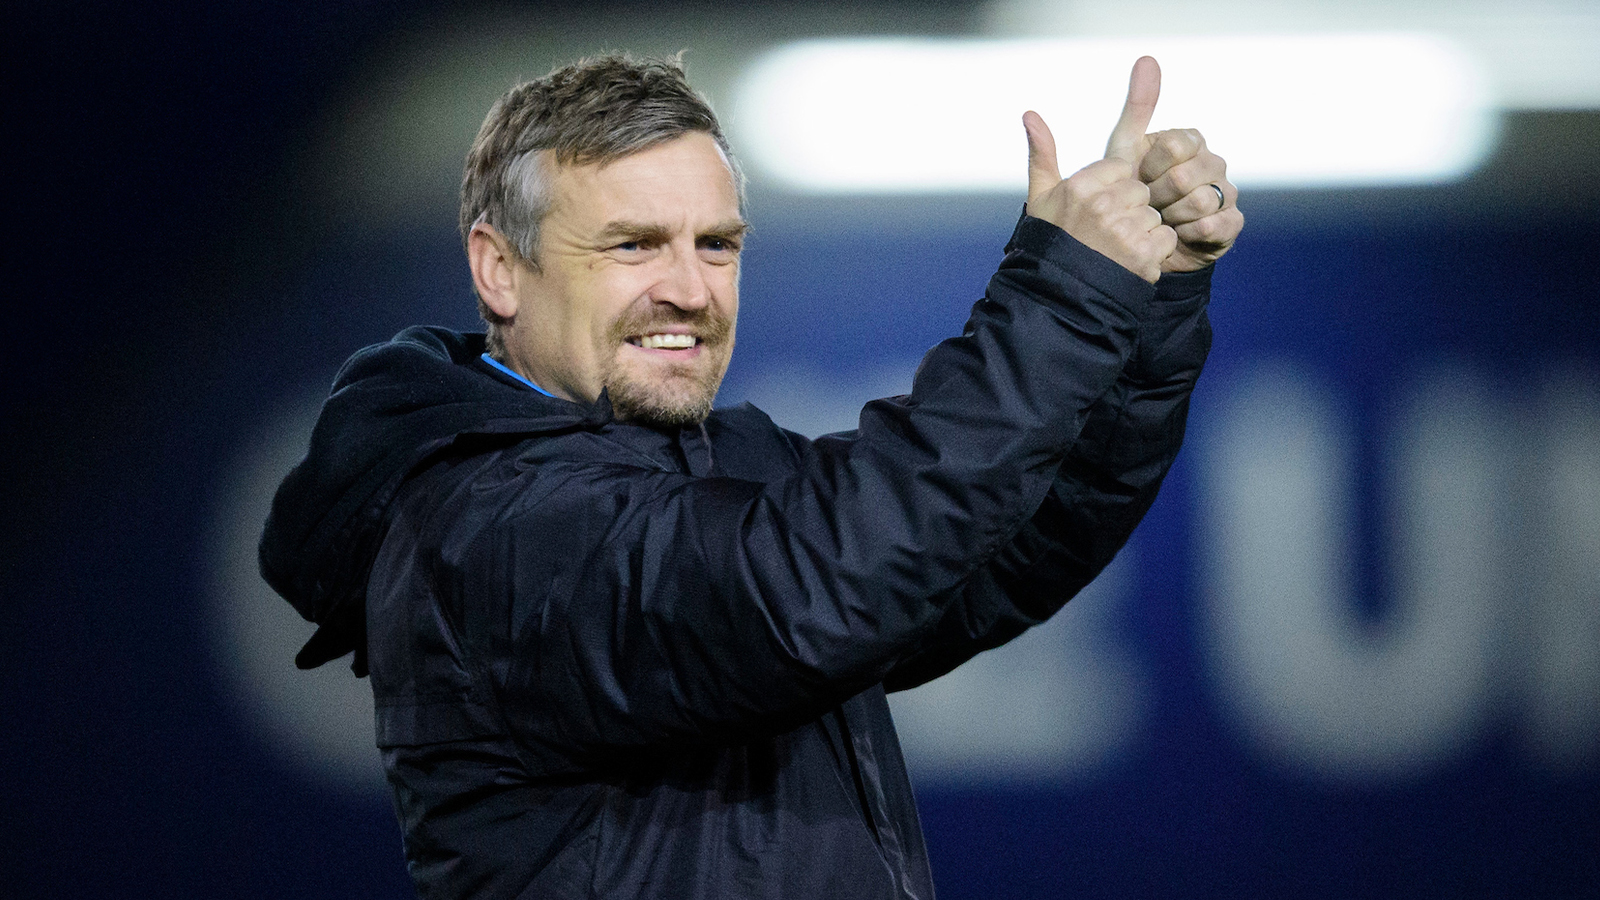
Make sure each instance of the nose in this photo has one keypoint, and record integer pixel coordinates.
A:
(683, 284)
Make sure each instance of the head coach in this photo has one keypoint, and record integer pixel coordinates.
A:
(625, 645)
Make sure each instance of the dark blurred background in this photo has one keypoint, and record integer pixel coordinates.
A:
(1353, 652)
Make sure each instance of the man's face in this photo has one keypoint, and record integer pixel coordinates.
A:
(637, 289)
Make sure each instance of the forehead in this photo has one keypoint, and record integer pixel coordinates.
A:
(682, 181)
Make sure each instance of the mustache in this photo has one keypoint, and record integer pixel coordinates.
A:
(708, 324)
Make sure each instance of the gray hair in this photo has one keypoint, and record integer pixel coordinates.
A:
(596, 110)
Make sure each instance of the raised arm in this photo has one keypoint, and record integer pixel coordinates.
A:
(1105, 485)
(1110, 477)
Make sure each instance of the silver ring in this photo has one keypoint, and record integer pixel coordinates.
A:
(1222, 199)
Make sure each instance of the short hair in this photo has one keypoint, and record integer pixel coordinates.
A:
(596, 110)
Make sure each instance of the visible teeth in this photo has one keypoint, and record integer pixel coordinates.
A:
(667, 341)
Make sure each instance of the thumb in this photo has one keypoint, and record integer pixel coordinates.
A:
(1043, 172)
(1144, 86)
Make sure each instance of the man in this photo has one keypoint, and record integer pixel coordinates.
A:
(625, 646)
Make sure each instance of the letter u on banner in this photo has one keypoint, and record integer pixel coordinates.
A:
(1309, 683)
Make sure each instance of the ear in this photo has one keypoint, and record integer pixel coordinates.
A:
(493, 264)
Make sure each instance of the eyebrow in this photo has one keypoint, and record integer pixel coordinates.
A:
(641, 231)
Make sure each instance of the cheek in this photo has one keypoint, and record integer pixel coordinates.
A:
(726, 289)
(607, 297)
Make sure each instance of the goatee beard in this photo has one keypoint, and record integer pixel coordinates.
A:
(670, 402)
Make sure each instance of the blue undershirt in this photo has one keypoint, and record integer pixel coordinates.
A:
(498, 365)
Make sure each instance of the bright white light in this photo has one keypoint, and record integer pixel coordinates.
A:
(1537, 54)
(918, 116)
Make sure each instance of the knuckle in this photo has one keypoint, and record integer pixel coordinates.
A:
(1175, 143)
(1183, 179)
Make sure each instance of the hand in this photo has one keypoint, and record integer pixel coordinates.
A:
(1180, 170)
(1105, 205)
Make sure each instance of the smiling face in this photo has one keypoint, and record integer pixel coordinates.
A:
(637, 285)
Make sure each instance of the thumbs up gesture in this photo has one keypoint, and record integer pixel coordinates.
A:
(1155, 203)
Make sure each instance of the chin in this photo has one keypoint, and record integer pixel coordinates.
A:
(662, 405)
(663, 416)
(666, 394)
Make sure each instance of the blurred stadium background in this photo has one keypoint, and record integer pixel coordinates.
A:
(1353, 652)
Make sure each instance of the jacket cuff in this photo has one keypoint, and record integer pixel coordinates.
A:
(1180, 286)
(1095, 270)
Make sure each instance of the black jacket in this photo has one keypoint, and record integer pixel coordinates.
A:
(614, 661)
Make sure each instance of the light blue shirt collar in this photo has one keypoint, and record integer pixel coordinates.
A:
(498, 365)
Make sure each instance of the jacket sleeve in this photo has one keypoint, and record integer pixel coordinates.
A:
(1106, 484)
(650, 607)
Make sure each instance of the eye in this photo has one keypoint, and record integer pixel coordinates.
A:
(637, 249)
(720, 248)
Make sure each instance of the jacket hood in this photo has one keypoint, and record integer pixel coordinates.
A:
(392, 407)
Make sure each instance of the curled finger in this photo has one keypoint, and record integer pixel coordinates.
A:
(1166, 239)
(1151, 219)
(1184, 178)
(1206, 200)
(1212, 234)
(1169, 148)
